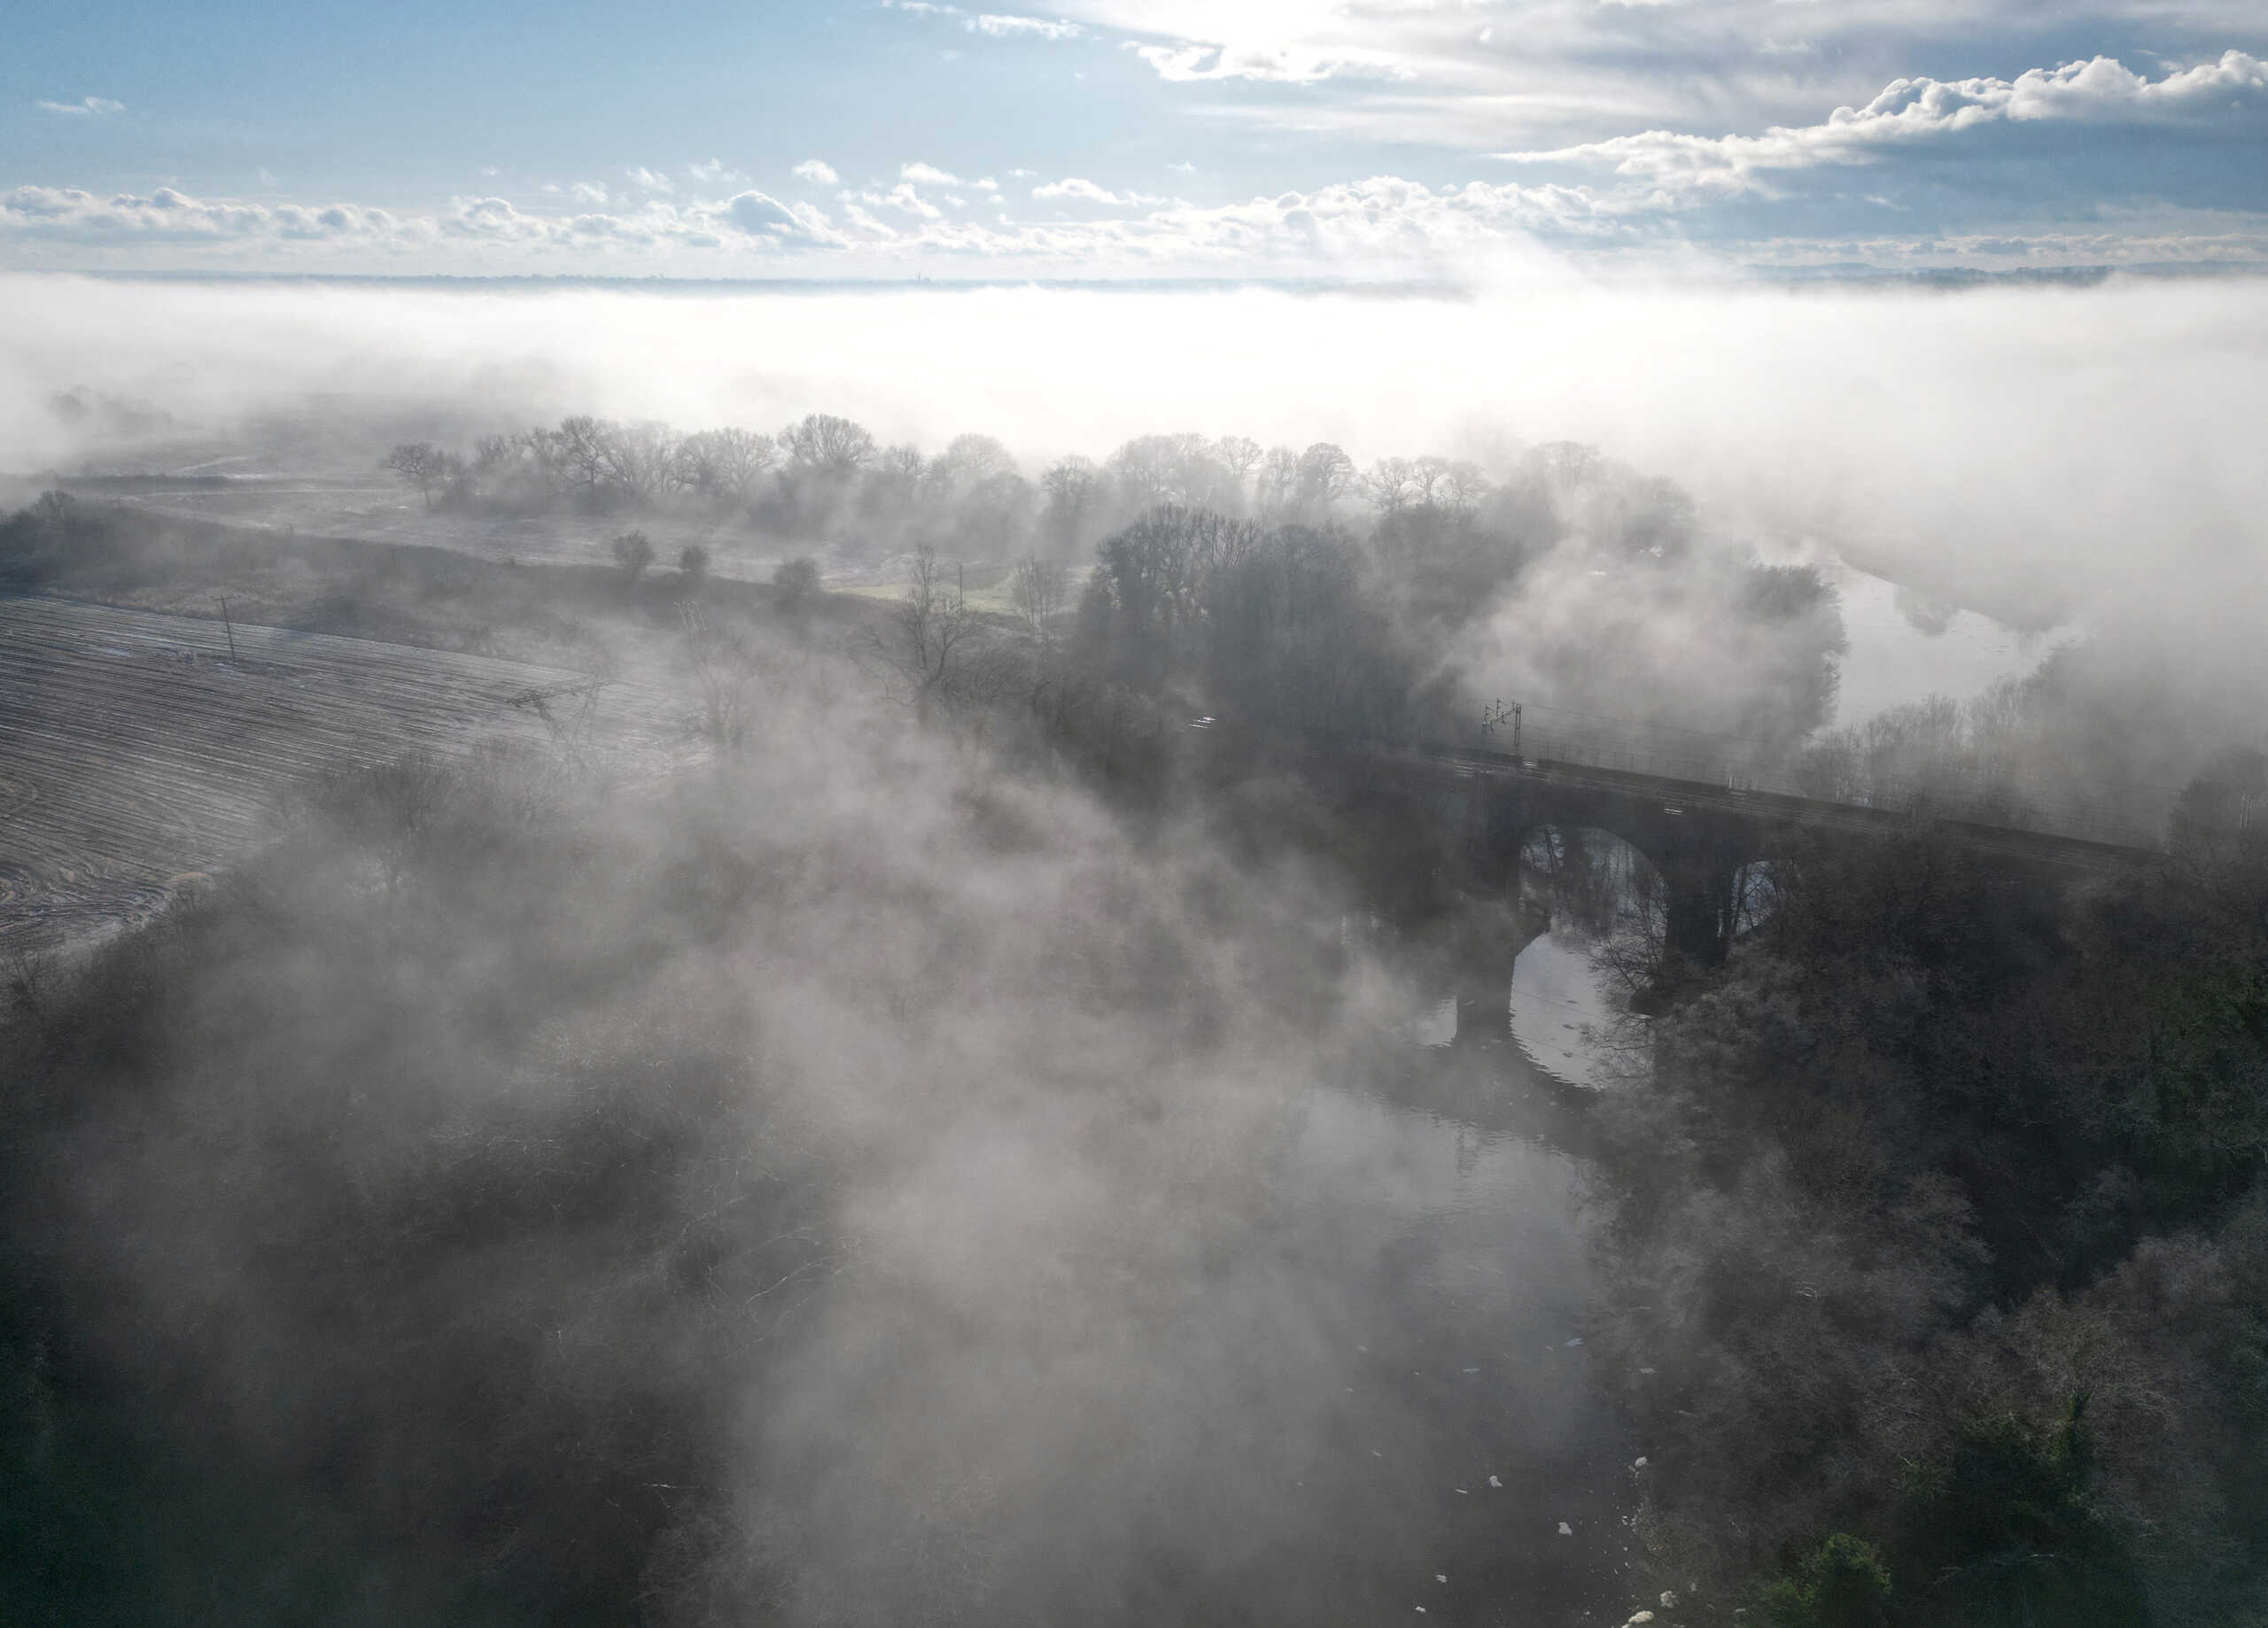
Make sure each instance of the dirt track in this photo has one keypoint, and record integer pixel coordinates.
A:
(135, 749)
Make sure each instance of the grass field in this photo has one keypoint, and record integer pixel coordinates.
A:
(137, 751)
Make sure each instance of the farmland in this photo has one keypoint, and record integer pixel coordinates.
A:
(137, 750)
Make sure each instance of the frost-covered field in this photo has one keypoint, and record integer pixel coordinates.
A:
(135, 750)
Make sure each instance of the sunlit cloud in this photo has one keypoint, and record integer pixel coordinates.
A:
(1023, 27)
(2226, 96)
(818, 172)
(85, 107)
(1072, 186)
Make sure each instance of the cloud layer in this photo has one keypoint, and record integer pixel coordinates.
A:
(2225, 99)
(2090, 161)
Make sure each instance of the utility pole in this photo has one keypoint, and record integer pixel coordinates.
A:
(1497, 713)
(230, 626)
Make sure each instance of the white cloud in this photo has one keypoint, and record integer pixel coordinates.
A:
(70, 216)
(1629, 194)
(1183, 168)
(1029, 28)
(1289, 64)
(1681, 168)
(715, 172)
(786, 225)
(904, 196)
(85, 107)
(651, 181)
(1553, 73)
(1072, 186)
(170, 215)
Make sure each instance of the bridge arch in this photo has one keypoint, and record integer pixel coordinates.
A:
(1698, 854)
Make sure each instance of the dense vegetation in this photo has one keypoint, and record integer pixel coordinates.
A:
(1940, 1229)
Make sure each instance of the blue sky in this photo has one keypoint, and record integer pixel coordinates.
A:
(1132, 137)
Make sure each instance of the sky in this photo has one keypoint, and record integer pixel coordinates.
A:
(1420, 139)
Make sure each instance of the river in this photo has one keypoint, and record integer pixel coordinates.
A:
(1472, 1470)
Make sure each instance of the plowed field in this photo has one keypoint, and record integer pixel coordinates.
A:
(135, 751)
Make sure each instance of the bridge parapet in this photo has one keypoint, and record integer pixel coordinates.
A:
(1685, 757)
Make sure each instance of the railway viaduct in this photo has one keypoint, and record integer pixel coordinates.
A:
(1698, 834)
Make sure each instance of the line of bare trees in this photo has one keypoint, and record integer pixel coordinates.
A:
(827, 477)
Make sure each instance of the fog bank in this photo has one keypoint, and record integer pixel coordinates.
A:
(2045, 453)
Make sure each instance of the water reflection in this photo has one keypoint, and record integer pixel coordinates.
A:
(1470, 1422)
(1438, 1186)
(1565, 1011)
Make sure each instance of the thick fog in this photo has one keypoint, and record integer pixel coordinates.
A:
(2046, 453)
(1074, 1316)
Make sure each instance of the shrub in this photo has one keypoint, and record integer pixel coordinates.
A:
(1841, 1583)
(2009, 1533)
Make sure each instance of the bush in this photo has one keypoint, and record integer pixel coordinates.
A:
(1841, 1583)
(633, 552)
(2009, 1533)
(795, 582)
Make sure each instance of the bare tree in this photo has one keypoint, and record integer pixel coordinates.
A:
(1462, 484)
(731, 672)
(1393, 485)
(822, 444)
(1565, 463)
(972, 460)
(1429, 479)
(1041, 590)
(725, 465)
(929, 641)
(1279, 480)
(1073, 489)
(578, 450)
(638, 462)
(1326, 473)
(422, 464)
(1237, 454)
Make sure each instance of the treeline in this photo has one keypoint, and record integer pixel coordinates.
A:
(826, 479)
(2099, 739)
(1293, 620)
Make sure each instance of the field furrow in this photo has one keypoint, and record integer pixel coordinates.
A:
(135, 749)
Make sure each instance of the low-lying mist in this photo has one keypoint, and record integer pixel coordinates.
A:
(849, 1186)
(2048, 454)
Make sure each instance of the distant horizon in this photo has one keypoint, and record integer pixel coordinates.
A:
(1949, 277)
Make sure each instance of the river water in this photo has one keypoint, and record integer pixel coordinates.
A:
(1473, 1471)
